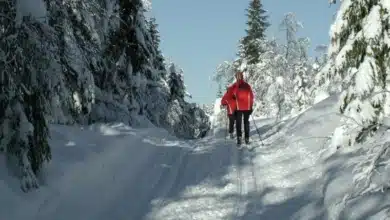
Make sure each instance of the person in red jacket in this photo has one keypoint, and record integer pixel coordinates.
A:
(230, 104)
(243, 95)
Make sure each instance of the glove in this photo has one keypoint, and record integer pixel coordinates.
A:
(222, 106)
(251, 110)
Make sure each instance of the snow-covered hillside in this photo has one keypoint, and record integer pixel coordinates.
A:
(118, 172)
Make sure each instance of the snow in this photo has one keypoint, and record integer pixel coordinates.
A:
(372, 24)
(112, 171)
(385, 3)
(339, 24)
(279, 80)
(315, 66)
(321, 95)
(217, 106)
(147, 4)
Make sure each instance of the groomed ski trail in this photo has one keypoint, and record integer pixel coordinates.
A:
(219, 170)
(246, 182)
(116, 172)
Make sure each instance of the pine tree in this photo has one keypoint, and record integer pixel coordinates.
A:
(359, 64)
(152, 27)
(25, 89)
(155, 35)
(257, 24)
(176, 83)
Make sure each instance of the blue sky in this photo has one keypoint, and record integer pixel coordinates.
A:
(199, 35)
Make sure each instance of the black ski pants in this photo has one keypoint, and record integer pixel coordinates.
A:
(239, 116)
(232, 118)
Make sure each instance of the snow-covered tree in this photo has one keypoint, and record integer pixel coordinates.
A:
(322, 56)
(290, 25)
(224, 75)
(155, 37)
(359, 63)
(257, 25)
(302, 87)
(296, 65)
(208, 108)
(77, 45)
(147, 5)
(25, 84)
(81, 62)
(176, 83)
(154, 33)
(358, 67)
(320, 85)
(303, 77)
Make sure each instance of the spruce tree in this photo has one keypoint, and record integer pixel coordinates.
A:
(25, 89)
(359, 64)
(152, 27)
(176, 83)
(257, 24)
(155, 35)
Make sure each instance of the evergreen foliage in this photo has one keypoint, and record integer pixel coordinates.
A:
(257, 25)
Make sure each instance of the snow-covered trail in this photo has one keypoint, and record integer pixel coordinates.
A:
(104, 173)
(282, 179)
(118, 183)
(116, 172)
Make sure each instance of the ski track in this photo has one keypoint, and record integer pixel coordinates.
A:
(196, 168)
(157, 190)
(239, 184)
(140, 175)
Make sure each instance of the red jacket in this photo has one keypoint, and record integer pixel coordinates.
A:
(228, 100)
(243, 94)
(239, 96)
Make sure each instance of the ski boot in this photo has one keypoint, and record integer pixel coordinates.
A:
(239, 142)
(247, 140)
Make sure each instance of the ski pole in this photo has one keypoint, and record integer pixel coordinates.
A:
(227, 127)
(257, 130)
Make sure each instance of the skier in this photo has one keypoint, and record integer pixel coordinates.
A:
(242, 93)
(229, 103)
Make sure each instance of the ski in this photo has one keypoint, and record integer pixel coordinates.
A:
(248, 147)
